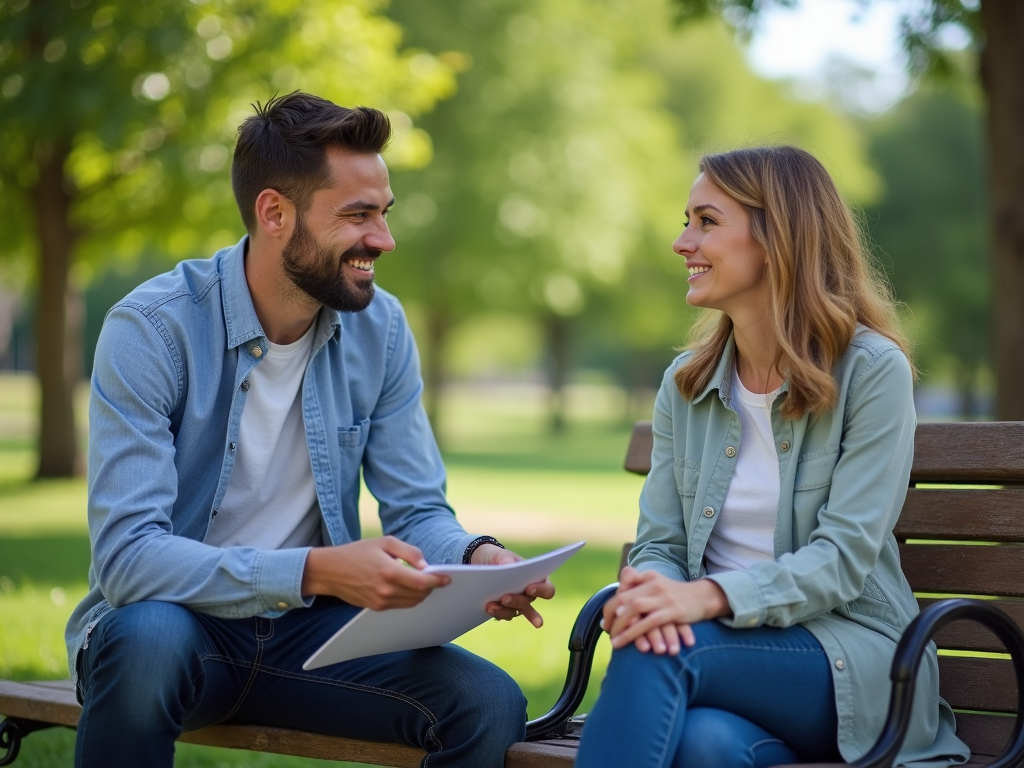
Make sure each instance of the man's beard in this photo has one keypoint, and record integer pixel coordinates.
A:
(316, 271)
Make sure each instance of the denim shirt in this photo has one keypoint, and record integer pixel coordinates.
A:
(843, 477)
(168, 388)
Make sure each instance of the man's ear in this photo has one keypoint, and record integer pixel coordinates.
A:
(275, 215)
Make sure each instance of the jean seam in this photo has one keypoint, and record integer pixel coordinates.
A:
(367, 689)
(248, 683)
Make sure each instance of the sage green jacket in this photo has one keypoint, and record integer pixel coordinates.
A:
(844, 476)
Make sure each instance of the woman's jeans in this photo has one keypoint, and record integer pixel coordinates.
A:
(152, 669)
(746, 698)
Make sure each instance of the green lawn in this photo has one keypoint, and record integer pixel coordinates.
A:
(506, 477)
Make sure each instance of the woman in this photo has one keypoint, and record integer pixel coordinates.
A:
(757, 619)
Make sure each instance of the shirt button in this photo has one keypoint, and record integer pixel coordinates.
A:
(752, 623)
(282, 605)
(784, 445)
(730, 451)
(840, 664)
(256, 352)
(215, 512)
(231, 446)
(709, 511)
(246, 385)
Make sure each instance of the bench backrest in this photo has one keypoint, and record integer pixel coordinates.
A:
(964, 538)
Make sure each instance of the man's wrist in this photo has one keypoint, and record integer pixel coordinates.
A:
(467, 556)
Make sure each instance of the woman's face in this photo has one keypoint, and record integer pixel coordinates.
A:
(726, 264)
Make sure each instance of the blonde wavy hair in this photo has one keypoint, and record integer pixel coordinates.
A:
(821, 280)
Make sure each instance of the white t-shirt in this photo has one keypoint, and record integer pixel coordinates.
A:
(271, 499)
(745, 530)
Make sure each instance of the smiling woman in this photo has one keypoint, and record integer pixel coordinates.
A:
(763, 599)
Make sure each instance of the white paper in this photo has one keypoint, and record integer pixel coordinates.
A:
(445, 614)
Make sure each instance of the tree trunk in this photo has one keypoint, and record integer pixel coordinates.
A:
(1002, 68)
(56, 350)
(558, 352)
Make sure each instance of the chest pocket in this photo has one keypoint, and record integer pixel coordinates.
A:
(352, 439)
(687, 473)
(814, 470)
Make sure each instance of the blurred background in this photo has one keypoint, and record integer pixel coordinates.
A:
(542, 158)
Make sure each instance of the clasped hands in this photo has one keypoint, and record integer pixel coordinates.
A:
(655, 612)
(386, 573)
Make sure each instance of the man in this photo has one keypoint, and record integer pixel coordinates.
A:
(234, 402)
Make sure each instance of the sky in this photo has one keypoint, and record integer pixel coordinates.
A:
(844, 49)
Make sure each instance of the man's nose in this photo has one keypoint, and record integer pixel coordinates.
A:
(380, 238)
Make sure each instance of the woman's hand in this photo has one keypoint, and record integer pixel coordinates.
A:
(656, 612)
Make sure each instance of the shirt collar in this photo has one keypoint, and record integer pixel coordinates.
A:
(722, 377)
(240, 318)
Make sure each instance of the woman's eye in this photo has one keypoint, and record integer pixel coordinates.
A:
(705, 220)
(686, 224)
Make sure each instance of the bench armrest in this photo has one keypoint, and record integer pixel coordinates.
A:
(908, 659)
(582, 644)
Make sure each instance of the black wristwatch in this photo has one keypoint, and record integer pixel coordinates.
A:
(475, 544)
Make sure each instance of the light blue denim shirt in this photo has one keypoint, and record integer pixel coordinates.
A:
(168, 388)
(843, 478)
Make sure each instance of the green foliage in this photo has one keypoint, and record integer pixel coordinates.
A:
(931, 227)
(148, 96)
(562, 166)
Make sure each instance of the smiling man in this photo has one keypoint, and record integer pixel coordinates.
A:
(235, 401)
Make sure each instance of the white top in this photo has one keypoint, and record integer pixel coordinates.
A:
(745, 530)
(271, 499)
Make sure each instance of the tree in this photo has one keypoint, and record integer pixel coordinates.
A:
(996, 28)
(561, 169)
(118, 121)
(930, 229)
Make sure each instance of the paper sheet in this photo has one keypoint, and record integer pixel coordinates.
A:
(444, 615)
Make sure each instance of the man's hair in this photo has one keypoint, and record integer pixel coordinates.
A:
(284, 147)
(820, 278)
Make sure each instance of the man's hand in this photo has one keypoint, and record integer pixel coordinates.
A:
(513, 605)
(655, 612)
(370, 574)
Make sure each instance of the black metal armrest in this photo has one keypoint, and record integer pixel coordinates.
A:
(904, 675)
(12, 731)
(582, 644)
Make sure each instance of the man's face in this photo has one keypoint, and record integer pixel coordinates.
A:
(335, 243)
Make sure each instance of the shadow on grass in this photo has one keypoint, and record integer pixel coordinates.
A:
(62, 559)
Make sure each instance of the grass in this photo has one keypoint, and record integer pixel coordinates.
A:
(507, 477)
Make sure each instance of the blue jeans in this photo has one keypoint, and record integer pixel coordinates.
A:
(153, 669)
(739, 698)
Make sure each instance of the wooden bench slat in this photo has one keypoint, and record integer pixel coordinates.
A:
(284, 741)
(986, 685)
(970, 515)
(542, 754)
(50, 701)
(53, 701)
(638, 455)
(969, 453)
(964, 570)
(972, 636)
(987, 453)
(984, 734)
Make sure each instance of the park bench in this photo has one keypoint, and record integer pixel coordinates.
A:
(953, 541)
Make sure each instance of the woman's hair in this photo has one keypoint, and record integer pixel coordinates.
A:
(820, 280)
